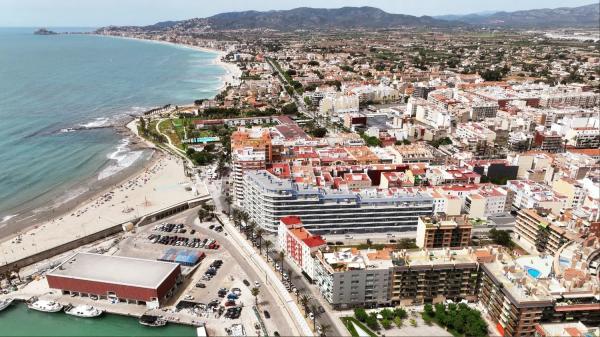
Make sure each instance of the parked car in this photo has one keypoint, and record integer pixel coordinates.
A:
(246, 283)
(267, 314)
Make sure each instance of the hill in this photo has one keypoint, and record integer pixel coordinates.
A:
(582, 16)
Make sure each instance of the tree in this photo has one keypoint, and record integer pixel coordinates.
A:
(289, 109)
(491, 75)
(324, 329)
(143, 125)
(268, 245)
(428, 309)
(401, 313)
(259, 236)
(202, 214)
(304, 300)
(360, 314)
(255, 291)
(398, 321)
(387, 314)
(500, 237)
(315, 314)
(372, 321)
(386, 323)
(319, 132)
(406, 243)
(250, 229)
(281, 257)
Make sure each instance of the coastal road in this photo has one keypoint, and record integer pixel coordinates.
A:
(304, 286)
(327, 318)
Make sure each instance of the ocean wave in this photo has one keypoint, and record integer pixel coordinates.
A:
(121, 158)
(8, 217)
(70, 195)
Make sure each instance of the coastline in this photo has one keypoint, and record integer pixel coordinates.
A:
(41, 222)
(31, 219)
(232, 71)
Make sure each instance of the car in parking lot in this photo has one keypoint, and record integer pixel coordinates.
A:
(200, 285)
(246, 283)
(267, 314)
(256, 284)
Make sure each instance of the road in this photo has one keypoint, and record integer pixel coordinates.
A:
(337, 329)
(305, 287)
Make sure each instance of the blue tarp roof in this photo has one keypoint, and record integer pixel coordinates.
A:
(181, 256)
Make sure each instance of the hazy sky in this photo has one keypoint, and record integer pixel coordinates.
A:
(91, 13)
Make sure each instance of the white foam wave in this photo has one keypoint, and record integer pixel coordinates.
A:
(8, 217)
(122, 158)
(70, 195)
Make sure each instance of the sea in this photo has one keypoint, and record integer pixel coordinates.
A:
(59, 95)
(17, 320)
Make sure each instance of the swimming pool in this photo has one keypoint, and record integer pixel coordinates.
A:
(533, 272)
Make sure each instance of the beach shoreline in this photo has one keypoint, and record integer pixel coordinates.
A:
(94, 187)
(232, 71)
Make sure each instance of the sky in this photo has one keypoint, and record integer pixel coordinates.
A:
(94, 13)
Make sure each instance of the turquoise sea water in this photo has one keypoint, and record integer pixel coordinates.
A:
(49, 84)
(17, 320)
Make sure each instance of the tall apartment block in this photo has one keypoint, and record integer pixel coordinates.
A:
(443, 232)
(268, 198)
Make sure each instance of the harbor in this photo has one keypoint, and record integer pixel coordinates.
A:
(18, 320)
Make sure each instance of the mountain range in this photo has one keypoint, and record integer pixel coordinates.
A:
(582, 16)
(374, 18)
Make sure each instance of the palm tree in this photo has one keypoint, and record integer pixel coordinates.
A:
(268, 245)
(259, 236)
(299, 292)
(304, 299)
(324, 329)
(255, 291)
(315, 313)
(281, 257)
(250, 229)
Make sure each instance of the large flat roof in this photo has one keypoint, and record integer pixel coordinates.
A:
(115, 269)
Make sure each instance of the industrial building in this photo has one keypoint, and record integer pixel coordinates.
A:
(116, 278)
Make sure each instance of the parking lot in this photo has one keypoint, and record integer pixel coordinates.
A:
(219, 296)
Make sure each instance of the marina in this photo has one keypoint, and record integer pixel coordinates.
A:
(18, 320)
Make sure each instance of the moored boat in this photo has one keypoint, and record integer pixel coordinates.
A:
(5, 303)
(153, 321)
(86, 311)
(45, 306)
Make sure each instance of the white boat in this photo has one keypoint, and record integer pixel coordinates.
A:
(45, 306)
(86, 311)
(5, 303)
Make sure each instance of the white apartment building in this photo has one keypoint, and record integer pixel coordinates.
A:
(530, 194)
(323, 210)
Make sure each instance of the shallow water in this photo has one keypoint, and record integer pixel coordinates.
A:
(50, 85)
(18, 320)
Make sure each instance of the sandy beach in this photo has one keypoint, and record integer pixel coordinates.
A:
(158, 186)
